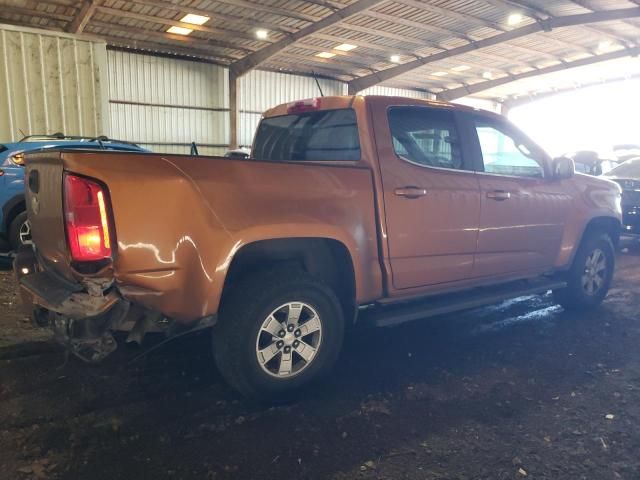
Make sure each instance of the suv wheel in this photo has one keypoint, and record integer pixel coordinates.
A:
(590, 275)
(20, 231)
(277, 331)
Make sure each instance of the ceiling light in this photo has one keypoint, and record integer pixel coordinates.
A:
(395, 58)
(179, 30)
(325, 55)
(346, 47)
(461, 68)
(195, 19)
(606, 46)
(515, 18)
(487, 75)
(439, 74)
(262, 34)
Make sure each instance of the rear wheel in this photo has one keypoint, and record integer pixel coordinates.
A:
(590, 275)
(20, 231)
(277, 332)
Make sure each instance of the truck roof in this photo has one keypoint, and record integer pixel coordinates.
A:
(346, 101)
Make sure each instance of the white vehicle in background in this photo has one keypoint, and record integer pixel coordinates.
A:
(241, 153)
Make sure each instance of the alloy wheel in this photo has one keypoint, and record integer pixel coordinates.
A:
(595, 272)
(289, 339)
(24, 234)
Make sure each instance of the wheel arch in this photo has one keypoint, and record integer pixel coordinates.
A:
(609, 225)
(11, 209)
(606, 224)
(327, 259)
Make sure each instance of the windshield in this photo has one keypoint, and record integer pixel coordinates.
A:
(629, 169)
(319, 135)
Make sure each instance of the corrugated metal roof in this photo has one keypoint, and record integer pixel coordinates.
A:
(407, 28)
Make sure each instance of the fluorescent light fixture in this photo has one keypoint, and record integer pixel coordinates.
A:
(195, 19)
(606, 46)
(487, 75)
(461, 68)
(179, 30)
(439, 74)
(325, 55)
(395, 58)
(515, 19)
(262, 34)
(345, 47)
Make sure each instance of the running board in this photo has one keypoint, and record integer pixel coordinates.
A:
(386, 316)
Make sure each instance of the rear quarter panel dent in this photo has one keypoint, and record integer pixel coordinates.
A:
(179, 221)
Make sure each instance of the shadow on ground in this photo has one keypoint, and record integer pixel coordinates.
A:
(520, 388)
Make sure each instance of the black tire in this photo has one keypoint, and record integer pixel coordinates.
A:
(14, 231)
(247, 306)
(576, 296)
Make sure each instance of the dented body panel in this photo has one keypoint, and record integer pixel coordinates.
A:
(179, 221)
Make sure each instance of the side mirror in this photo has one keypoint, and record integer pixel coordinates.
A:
(563, 168)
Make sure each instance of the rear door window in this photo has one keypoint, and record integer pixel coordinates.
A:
(309, 136)
(426, 136)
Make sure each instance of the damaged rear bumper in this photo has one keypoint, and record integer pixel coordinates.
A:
(84, 315)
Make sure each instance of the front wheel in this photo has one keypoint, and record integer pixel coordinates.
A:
(277, 332)
(590, 276)
(20, 232)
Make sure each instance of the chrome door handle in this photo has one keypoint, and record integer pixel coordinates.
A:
(410, 192)
(499, 195)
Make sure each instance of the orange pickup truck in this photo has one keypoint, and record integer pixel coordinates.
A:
(351, 210)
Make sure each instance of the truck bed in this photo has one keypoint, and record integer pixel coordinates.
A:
(179, 219)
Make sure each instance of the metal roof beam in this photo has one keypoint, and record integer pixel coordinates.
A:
(177, 39)
(494, 25)
(529, 97)
(253, 60)
(455, 93)
(502, 38)
(540, 13)
(114, 12)
(228, 18)
(83, 16)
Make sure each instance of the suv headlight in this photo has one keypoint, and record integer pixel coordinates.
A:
(18, 159)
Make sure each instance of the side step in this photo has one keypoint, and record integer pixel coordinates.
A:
(386, 316)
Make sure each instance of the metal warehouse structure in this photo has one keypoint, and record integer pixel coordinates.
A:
(233, 59)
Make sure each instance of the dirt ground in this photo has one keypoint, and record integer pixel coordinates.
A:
(518, 390)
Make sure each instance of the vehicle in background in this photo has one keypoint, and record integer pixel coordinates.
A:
(14, 227)
(626, 151)
(591, 163)
(627, 175)
(372, 209)
(241, 153)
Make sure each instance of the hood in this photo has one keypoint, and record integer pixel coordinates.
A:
(596, 182)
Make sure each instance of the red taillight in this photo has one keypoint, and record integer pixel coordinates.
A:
(86, 218)
(302, 106)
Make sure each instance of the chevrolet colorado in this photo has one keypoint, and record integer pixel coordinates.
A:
(352, 209)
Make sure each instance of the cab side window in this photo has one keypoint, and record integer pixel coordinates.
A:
(505, 154)
(425, 136)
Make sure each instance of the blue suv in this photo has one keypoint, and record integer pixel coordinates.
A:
(14, 227)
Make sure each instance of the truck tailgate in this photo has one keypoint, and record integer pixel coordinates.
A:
(43, 195)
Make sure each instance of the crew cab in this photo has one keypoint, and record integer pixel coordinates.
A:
(351, 210)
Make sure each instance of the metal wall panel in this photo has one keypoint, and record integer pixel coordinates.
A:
(261, 90)
(164, 104)
(50, 82)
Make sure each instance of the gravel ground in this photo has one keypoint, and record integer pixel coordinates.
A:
(518, 390)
